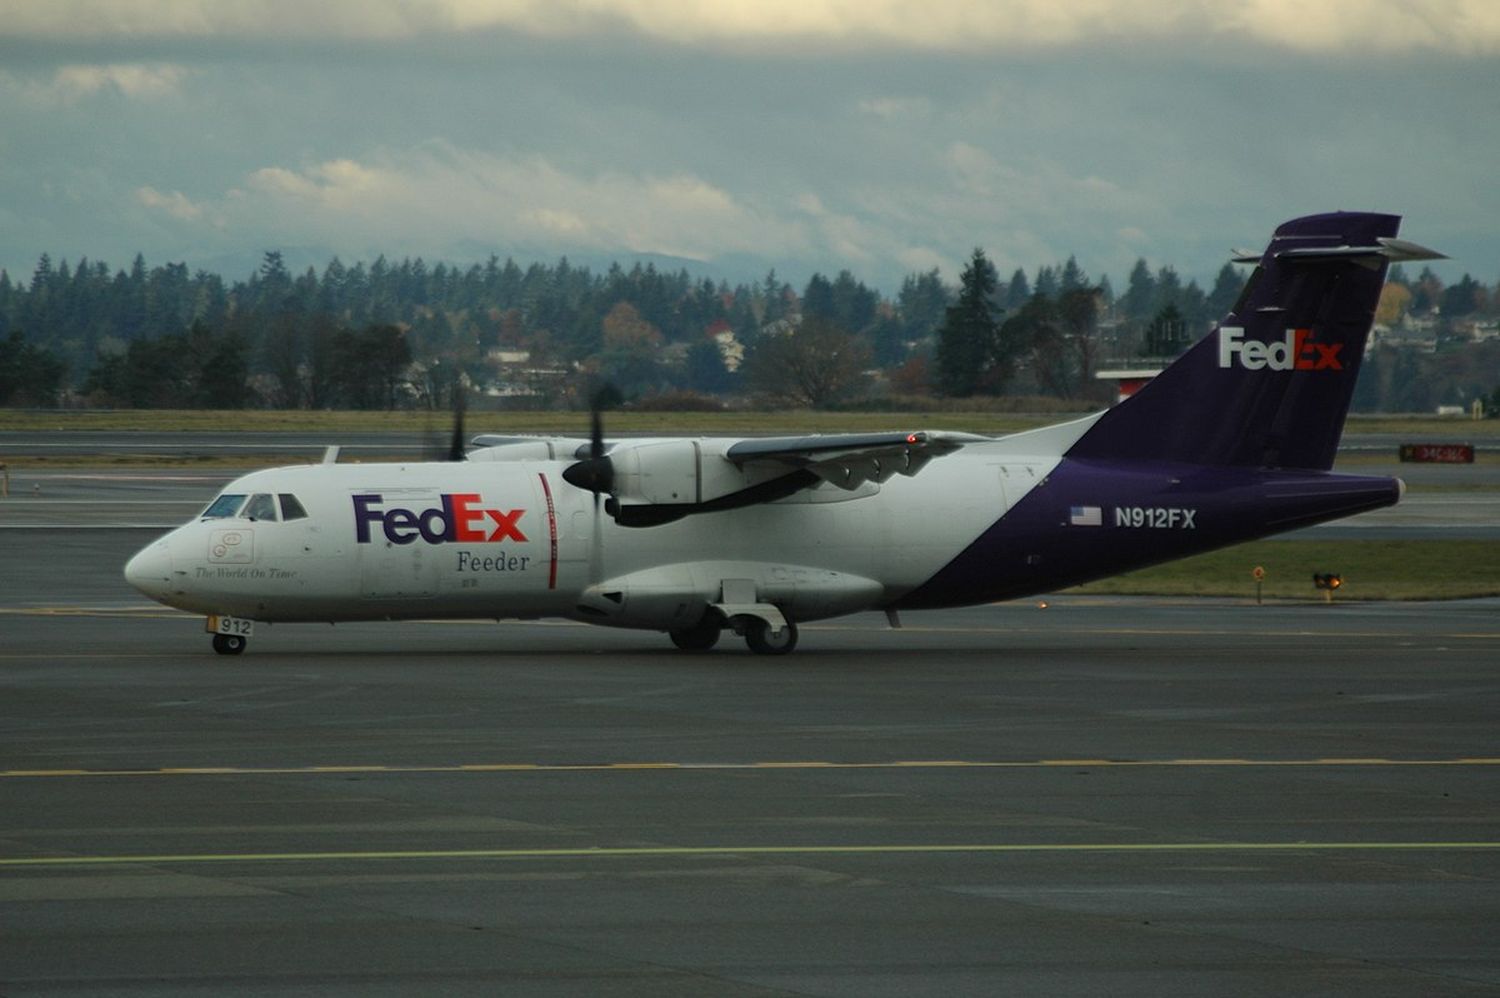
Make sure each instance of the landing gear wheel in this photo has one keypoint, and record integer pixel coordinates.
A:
(229, 644)
(761, 641)
(702, 636)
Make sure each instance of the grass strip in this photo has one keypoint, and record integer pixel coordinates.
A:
(1370, 569)
(781, 421)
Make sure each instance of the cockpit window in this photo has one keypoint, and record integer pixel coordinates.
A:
(260, 507)
(227, 504)
(291, 509)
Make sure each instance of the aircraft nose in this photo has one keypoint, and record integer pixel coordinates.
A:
(150, 570)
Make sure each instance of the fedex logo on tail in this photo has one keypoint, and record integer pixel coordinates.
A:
(1297, 352)
(457, 518)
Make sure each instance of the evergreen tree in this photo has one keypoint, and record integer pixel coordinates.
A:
(1225, 293)
(854, 304)
(1018, 291)
(1464, 298)
(968, 358)
(817, 300)
(1167, 336)
(29, 374)
(1106, 292)
(1140, 292)
(1046, 283)
(704, 370)
(1193, 304)
(1073, 278)
(1427, 292)
(275, 283)
(1168, 290)
(773, 298)
(921, 305)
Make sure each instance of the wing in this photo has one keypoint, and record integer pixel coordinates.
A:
(652, 482)
(658, 480)
(849, 460)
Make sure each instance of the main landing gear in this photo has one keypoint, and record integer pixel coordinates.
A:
(702, 636)
(759, 634)
(765, 640)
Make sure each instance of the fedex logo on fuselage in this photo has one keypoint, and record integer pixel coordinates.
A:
(1297, 352)
(457, 518)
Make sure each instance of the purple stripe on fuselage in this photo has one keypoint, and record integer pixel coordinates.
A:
(1149, 512)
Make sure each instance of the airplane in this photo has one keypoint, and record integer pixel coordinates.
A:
(697, 536)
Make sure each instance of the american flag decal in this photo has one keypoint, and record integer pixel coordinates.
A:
(1086, 516)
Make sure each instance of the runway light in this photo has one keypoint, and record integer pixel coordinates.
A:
(1327, 582)
(1042, 605)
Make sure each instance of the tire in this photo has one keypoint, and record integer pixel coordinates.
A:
(758, 637)
(229, 644)
(702, 636)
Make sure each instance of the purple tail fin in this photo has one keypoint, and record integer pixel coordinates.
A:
(1269, 388)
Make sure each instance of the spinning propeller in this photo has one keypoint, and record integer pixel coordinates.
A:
(456, 439)
(433, 449)
(596, 473)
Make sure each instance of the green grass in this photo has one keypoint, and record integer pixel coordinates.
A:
(1371, 570)
(783, 421)
(777, 421)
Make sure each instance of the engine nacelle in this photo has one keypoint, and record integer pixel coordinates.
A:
(496, 447)
(674, 472)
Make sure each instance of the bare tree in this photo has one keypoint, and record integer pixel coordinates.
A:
(814, 365)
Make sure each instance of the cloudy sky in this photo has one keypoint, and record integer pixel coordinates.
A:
(879, 136)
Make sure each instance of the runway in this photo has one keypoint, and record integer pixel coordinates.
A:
(1123, 797)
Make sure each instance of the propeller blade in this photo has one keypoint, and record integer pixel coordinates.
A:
(596, 547)
(597, 471)
(456, 441)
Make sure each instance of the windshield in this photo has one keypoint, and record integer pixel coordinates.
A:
(291, 509)
(260, 507)
(227, 504)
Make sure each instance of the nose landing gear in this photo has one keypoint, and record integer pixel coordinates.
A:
(229, 644)
(231, 634)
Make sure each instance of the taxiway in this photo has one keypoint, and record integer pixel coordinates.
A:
(1128, 797)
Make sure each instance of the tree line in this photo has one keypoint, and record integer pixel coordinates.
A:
(390, 335)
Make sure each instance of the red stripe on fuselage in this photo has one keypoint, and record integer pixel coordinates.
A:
(551, 530)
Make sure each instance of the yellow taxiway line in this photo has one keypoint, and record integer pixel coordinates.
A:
(689, 767)
(679, 852)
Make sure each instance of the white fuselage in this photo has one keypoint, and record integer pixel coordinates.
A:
(510, 538)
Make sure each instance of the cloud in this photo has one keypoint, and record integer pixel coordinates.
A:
(1035, 185)
(1466, 27)
(435, 198)
(895, 108)
(75, 82)
(438, 196)
(175, 204)
(1469, 27)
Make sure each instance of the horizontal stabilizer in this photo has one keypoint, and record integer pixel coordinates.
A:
(1386, 251)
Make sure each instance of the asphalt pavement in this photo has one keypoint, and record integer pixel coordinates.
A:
(1098, 796)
